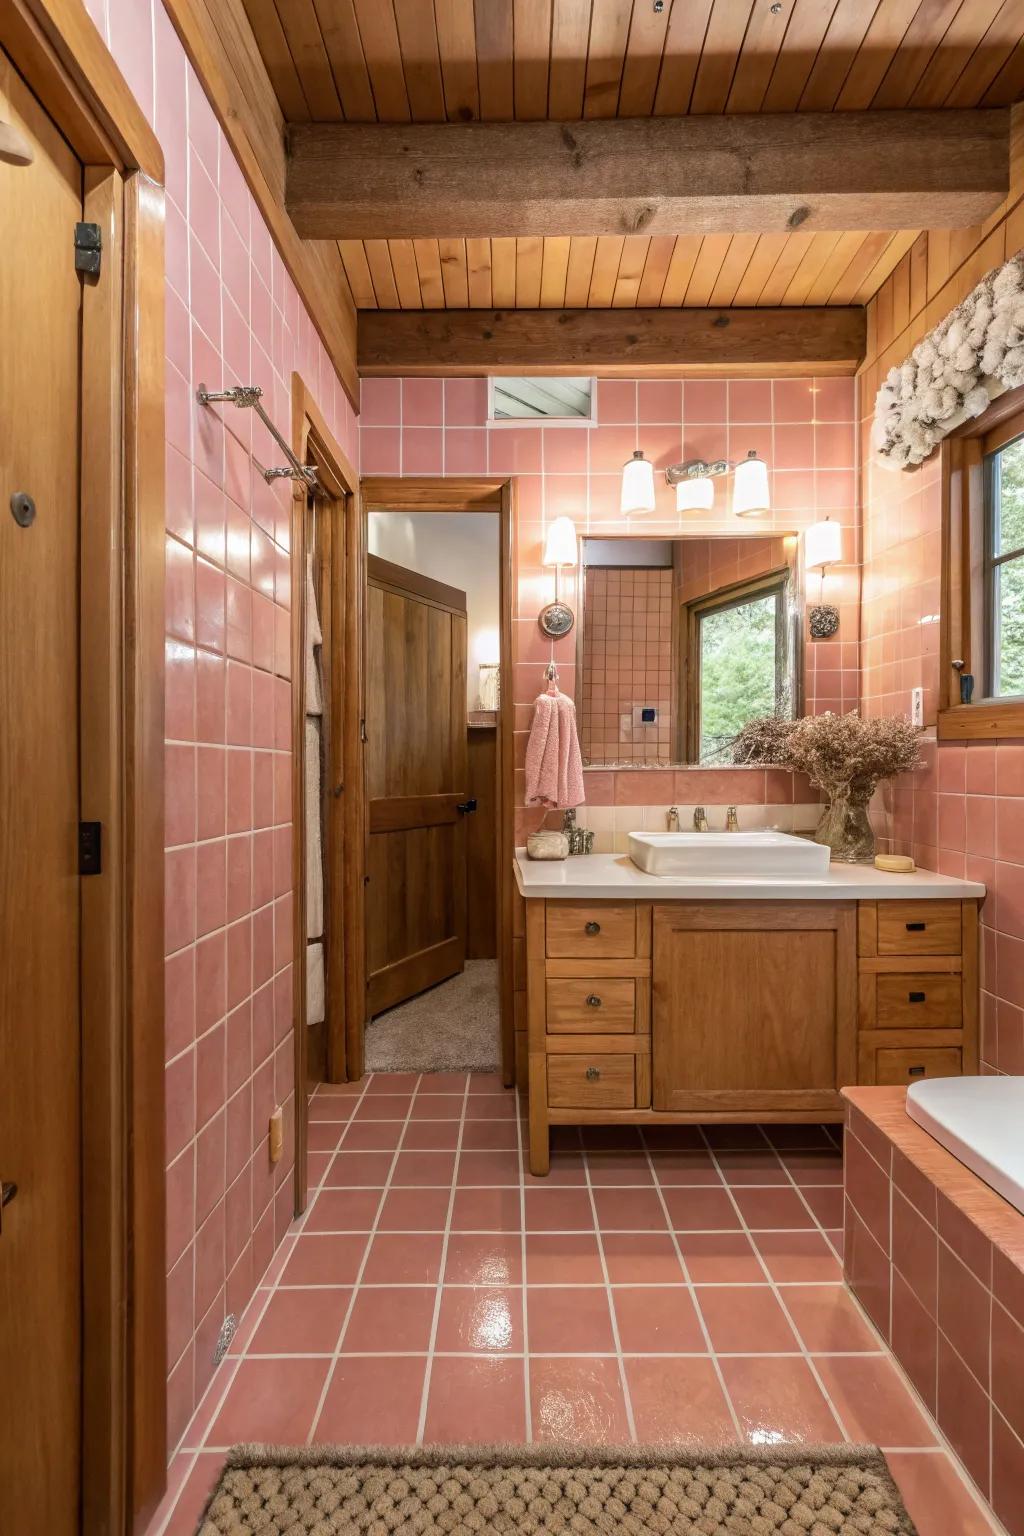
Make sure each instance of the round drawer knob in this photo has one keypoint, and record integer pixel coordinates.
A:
(593, 1001)
(592, 928)
(593, 1073)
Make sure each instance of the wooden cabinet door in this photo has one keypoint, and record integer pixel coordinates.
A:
(416, 782)
(754, 1006)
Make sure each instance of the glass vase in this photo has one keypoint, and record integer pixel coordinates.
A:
(844, 826)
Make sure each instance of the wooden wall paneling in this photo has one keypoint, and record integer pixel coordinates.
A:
(378, 35)
(382, 274)
(456, 46)
(495, 77)
(531, 57)
(554, 272)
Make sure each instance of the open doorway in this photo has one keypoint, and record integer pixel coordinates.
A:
(437, 750)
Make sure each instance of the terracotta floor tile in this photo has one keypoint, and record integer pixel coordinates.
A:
(826, 1203)
(486, 1082)
(486, 1317)
(558, 1210)
(342, 1210)
(403, 1259)
(349, 1170)
(871, 1400)
(578, 1402)
(824, 1166)
(329, 1108)
(442, 1082)
(486, 1210)
(788, 1137)
(629, 1167)
(641, 1258)
(390, 1318)
(759, 1166)
(802, 1256)
(701, 1210)
(739, 1138)
(373, 1135)
(193, 1495)
(481, 1401)
(630, 1210)
(325, 1135)
(684, 1165)
(301, 1322)
(778, 1400)
(656, 1320)
(318, 1260)
(564, 1319)
(678, 1402)
(415, 1210)
(720, 1258)
(383, 1106)
(270, 1400)
(439, 1106)
(431, 1136)
(828, 1320)
(423, 1168)
(937, 1499)
(483, 1258)
(744, 1319)
(771, 1209)
(563, 1258)
(491, 1136)
(488, 1167)
(373, 1401)
(393, 1082)
(567, 1168)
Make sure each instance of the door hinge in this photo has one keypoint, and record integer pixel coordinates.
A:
(88, 248)
(90, 847)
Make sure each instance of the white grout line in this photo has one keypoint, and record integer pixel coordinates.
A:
(627, 1400)
(524, 1319)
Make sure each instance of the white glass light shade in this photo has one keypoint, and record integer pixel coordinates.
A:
(637, 485)
(823, 545)
(695, 494)
(750, 487)
(560, 546)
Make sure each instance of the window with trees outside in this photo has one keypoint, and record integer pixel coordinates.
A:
(981, 679)
(738, 663)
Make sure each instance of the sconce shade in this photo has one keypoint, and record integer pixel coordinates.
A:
(750, 487)
(823, 545)
(637, 485)
(695, 494)
(560, 547)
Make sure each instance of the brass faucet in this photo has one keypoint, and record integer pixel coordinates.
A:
(700, 819)
(672, 819)
(732, 821)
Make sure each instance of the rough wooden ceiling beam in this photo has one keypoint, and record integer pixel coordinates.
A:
(670, 342)
(685, 175)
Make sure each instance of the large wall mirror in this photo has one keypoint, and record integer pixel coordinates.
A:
(682, 641)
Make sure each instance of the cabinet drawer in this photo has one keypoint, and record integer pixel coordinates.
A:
(600, 1081)
(905, 1065)
(578, 1005)
(919, 928)
(604, 930)
(927, 1001)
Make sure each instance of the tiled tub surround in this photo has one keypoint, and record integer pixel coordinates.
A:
(937, 1260)
(678, 1287)
(803, 427)
(233, 315)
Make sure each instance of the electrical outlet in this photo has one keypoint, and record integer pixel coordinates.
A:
(917, 706)
(276, 1135)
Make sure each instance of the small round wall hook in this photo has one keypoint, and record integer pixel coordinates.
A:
(23, 509)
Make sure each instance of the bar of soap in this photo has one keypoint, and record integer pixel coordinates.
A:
(895, 863)
(547, 845)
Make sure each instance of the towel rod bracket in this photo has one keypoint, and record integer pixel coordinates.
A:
(249, 396)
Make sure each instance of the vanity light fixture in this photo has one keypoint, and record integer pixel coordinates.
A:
(823, 546)
(637, 485)
(695, 491)
(559, 549)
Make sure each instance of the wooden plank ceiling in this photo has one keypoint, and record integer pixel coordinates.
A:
(455, 60)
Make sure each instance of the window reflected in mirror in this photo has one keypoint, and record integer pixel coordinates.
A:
(682, 642)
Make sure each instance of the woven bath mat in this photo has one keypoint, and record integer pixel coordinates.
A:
(475, 1490)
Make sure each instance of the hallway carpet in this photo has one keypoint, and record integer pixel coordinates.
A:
(453, 1027)
(463, 1492)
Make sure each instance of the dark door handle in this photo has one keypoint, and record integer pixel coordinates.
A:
(466, 808)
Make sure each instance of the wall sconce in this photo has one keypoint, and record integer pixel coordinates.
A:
(823, 546)
(695, 490)
(637, 485)
(559, 549)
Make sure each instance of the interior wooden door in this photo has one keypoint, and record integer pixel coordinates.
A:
(40, 1224)
(754, 1006)
(416, 782)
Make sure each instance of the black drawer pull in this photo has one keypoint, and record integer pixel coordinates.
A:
(593, 1001)
(915, 997)
(592, 928)
(916, 927)
(593, 1073)
(915, 1071)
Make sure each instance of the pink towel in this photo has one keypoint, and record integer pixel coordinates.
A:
(554, 767)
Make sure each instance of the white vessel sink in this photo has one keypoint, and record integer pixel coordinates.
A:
(731, 855)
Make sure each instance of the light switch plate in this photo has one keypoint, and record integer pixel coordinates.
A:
(917, 706)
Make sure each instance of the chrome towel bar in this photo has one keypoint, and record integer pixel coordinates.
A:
(250, 396)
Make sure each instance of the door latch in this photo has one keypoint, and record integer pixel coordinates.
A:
(466, 808)
(88, 248)
(90, 847)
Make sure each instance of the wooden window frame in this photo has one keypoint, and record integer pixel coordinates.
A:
(964, 602)
(689, 645)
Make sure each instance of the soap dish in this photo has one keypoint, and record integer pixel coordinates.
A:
(895, 863)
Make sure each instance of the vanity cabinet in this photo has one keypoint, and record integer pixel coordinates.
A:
(683, 1011)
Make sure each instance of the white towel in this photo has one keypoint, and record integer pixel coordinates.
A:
(314, 639)
(315, 1006)
(314, 839)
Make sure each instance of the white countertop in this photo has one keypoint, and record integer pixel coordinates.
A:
(614, 877)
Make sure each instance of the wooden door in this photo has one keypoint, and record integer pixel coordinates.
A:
(754, 1006)
(40, 1228)
(416, 782)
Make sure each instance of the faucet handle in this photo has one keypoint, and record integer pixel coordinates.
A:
(732, 821)
(672, 818)
(700, 819)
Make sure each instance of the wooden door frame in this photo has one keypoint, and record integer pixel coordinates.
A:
(344, 826)
(428, 493)
(56, 48)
